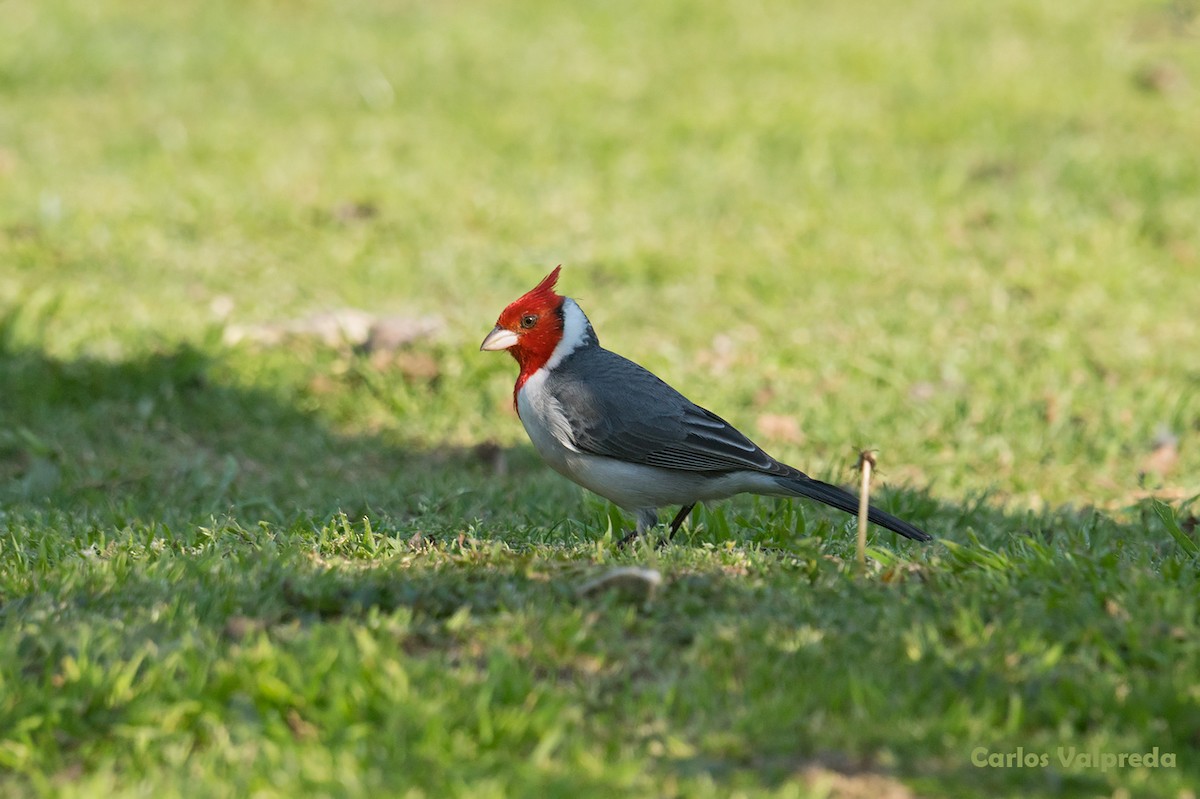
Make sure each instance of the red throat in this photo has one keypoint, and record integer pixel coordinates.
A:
(536, 343)
(532, 355)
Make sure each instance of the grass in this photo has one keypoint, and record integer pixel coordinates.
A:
(962, 235)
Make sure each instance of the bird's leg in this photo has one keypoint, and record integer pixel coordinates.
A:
(679, 519)
(646, 518)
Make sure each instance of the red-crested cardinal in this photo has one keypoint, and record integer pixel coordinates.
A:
(614, 428)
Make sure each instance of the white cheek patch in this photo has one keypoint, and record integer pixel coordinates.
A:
(575, 332)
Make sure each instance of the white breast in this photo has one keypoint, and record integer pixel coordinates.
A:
(544, 421)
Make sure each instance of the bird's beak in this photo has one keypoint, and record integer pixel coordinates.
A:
(498, 339)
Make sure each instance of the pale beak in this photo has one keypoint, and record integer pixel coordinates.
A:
(498, 339)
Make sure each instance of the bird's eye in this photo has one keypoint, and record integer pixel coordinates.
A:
(528, 320)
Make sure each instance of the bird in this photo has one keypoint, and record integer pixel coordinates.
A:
(613, 427)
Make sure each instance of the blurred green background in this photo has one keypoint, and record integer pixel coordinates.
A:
(965, 236)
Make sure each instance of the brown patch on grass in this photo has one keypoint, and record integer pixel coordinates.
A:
(862, 785)
(779, 427)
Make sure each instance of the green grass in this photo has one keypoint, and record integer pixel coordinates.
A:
(964, 235)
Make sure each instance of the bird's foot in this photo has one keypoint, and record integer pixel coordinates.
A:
(648, 521)
(628, 539)
(676, 523)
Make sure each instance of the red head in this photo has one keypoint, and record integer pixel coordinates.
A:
(531, 327)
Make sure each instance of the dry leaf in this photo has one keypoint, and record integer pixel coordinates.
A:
(631, 582)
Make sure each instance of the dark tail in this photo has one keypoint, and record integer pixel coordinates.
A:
(843, 500)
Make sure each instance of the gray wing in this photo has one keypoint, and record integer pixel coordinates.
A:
(622, 411)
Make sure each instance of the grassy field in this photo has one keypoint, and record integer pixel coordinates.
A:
(965, 235)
